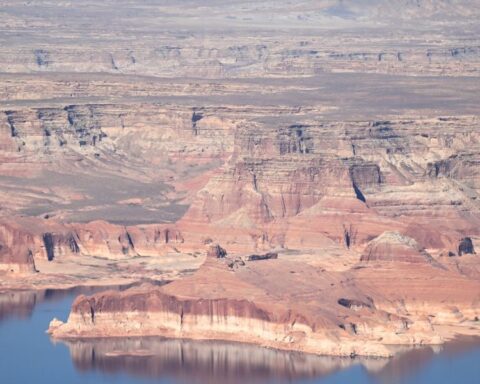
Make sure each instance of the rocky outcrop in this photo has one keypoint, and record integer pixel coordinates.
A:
(16, 250)
(354, 304)
(465, 246)
(226, 319)
(266, 256)
(25, 239)
(216, 251)
(350, 153)
(274, 303)
(394, 247)
(306, 184)
(104, 129)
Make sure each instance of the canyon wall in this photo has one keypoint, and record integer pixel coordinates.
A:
(350, 181)
(248, 304)
(226, 58)
(331, 150)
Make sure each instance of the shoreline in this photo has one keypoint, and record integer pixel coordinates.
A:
(236, 300)
(394, 349)
(271, 335)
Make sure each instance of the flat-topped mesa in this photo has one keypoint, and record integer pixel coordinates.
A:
(178, 313)
(253, 302)
(395, 247)
(154, 313)
(281, 52)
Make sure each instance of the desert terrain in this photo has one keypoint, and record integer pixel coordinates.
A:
(305, 176)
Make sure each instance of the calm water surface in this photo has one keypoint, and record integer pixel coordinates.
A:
(27, 355)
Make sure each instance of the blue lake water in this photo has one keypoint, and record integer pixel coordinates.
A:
(27, 355)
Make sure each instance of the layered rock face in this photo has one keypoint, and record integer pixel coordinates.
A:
(284, 304)
(304, 189)
(333, 154)
(30, 238)
(102, 129)
(170, 42)
(225, 58)
(16, 254)
(349, 181)
(108, 162)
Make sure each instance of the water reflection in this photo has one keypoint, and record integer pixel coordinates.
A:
(185, 361)
(18, 304)
(188, 361)
(200, 361)
(410, 361)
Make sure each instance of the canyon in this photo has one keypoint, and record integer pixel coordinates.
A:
(304, 178)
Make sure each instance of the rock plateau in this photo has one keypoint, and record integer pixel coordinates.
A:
(306, 175)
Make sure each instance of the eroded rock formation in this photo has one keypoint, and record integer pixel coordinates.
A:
(392, 246)
(16, 250)
(465, 246)
(350, 187)
(331, 165)
(275, 303)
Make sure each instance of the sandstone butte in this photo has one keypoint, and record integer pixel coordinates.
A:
(312, 189)
(286, 304)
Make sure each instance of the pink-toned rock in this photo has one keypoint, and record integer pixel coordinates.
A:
(16, 249)
(395, 247)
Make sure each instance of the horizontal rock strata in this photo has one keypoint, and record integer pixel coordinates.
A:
(281, 304)
(320, 160)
